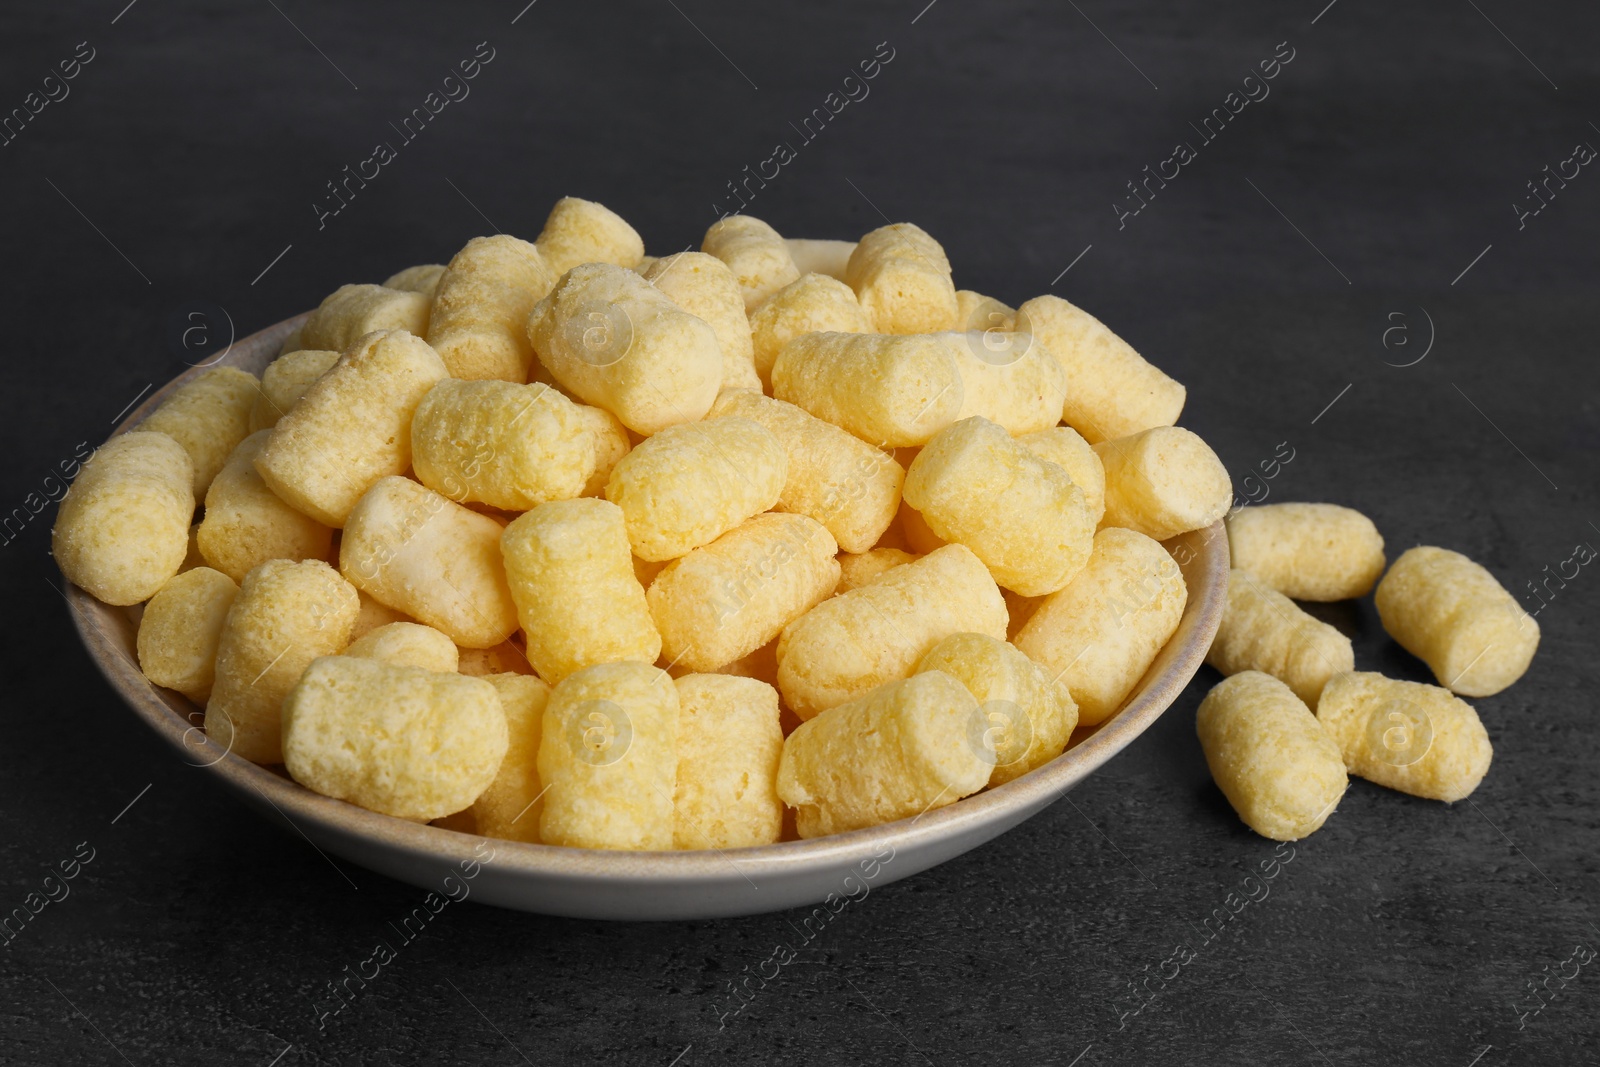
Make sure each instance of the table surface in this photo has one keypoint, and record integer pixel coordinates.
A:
(1351, 270)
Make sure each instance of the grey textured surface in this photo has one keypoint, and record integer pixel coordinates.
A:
(188, 155)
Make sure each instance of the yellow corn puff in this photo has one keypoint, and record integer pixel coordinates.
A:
(1024, 719)
(433, 559)
(582, 231)
(813, 303)
(888, 391)
(835, 478)
(123, 528)
(352, 311)
(509, 446)
(208, 416)
(902, 278)
(690, 484)
(1066, 448)
(1009, 379)
(895, 753)
(615, 341)
(1111, 391)
(1163, 482)
(1419, 739)
(480, 310)
(285, 616)
(245, 523)
(875, 634)
(611, 444)
(285, 381)
(178, 632)
(1453, 615)
(728, 598)
(1020, 514)
(753, 251)
(351, 427)
(1100, 634)
(1263, 630)
(403, 741)
(1307, 551)
(608, 758)
(572, 578)
(729, 743)
(1276, 764)
(703, 286)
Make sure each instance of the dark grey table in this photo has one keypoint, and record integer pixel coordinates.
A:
(1352, 263)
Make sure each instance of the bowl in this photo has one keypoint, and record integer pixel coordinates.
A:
(603, 884)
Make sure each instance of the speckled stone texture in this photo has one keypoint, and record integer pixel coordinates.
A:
(200, 140)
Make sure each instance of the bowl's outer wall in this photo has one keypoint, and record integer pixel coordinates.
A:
(644, 885)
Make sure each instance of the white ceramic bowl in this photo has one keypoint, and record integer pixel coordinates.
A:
(646, 885)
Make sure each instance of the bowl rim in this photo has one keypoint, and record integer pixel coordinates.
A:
(163, 711)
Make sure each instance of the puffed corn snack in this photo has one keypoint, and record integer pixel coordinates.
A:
(559, 542)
